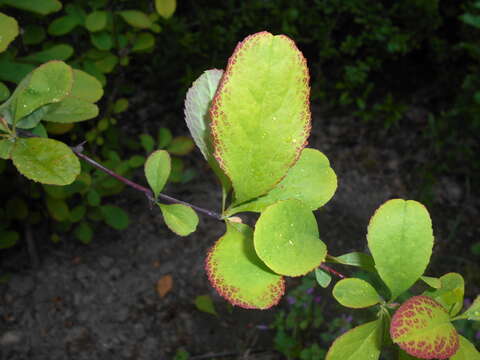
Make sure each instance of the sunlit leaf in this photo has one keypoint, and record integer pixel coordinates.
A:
(311, 180)
(165, 8)
(236, 272)
(43, 7)
(358, 259)
(8, 29)
(181, 219)
(432, 281)
(286, 238)
(422, 327)
(361, 343)
(473, 312)
(466, 351)
(400, 237)
(260, 113)
(355, 293)
(136, 18)
(157, 170)
(450, 293)
(323, 277)
(71, 109)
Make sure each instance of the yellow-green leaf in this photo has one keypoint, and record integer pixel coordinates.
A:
(355, 293)
(181, 219)
(157, 170)
(8, 29)
(165, 8)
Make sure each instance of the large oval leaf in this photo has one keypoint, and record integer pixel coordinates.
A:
(237, 273)
(355, 293)
(361, 343)
(400, 237)
(286, 238)
(45, 160)
(8, 29)
(422, 327)
(260, 113)
(165, 8)
(311, 180)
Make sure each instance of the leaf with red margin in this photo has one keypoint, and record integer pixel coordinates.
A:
(260, 113)
(238, 274)
(422, 327)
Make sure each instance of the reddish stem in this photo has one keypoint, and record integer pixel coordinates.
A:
(334, 272)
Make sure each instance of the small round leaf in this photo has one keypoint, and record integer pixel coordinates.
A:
(286, 238)
(355, 293)
(181, 219)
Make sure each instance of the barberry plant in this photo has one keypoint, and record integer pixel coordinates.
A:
(251, 122)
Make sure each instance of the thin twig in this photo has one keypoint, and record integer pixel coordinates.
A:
(78, 150)
(334, 272)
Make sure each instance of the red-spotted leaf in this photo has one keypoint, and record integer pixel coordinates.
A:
(237, 273)
(361, 343)
(260, 113)
(422, 327)
(400, 236)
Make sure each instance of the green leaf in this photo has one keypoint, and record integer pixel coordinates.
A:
(157, 170)
(115, 217)
(164, 137)
(91, 68)
(107, 63)
(197, 104)
(48, 83)
(86, 87)
(56, 52)
(400, 237)
(355, 293)
(181, 219)
(204, 303)
(96, 21)
(120, 105)
(43, 7)
(286, 238)
(93, 198)
(77, 213)
(473, 312)
(359, 259)
(471, 19)
(8, 239)
(63, 25)
(181, 145)
(311, 180)
(466, 351)
(143, 41)
(147, 142)
(8, 29)
(14, 72)
(101, 40)
(40, 131)
(432, 281)
(450, 293)
(236, 272)
(323, 278)
(197, 117)
(33, 34)
(71, 109)
(83, 232)
(58, 209)
(165, 8)
(136, 18)
(422, 327)
(260, 113)
(6, 146)
(33, 119)
(361, 343)
(45, 160)
(136, 161)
